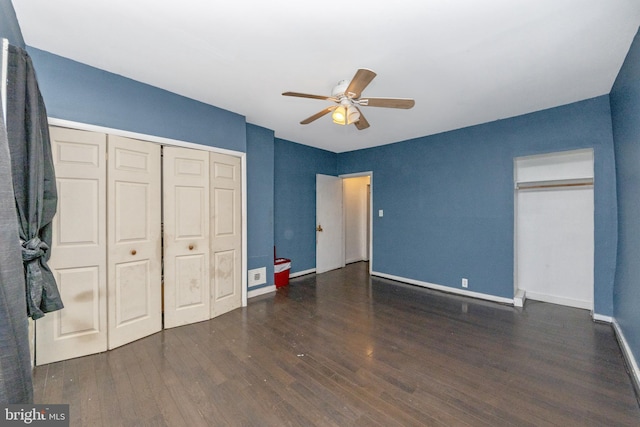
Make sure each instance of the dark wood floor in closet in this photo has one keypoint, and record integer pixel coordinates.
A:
(343, 349)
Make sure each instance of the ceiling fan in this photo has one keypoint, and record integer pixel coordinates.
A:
(347, 95)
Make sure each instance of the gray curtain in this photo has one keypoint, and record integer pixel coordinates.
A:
(34, 181)
(15, 362)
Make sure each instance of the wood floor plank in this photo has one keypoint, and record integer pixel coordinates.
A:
(167, 407)
(190, 389)
(145, 404)
(125, 391)
(109, 404)
(346, 349)
(88, 409)
(39, 383)
(54, 382)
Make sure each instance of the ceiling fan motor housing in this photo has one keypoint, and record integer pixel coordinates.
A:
(340, 88)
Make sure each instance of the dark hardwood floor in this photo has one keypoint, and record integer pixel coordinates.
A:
(343, 349)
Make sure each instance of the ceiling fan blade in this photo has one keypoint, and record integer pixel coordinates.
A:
(404, 103)
(318, 115)
(361, 80)
(306, 95)
(362, 123)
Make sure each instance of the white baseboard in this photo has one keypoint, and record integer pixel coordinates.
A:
(628, 356)
(302, 273)
(519, 298)
(261, 291)
(352, 260)
(602, 318)
(448, 289)
(553, 299)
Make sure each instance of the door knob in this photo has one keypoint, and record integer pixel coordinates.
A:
(319, 227)
(133, 252)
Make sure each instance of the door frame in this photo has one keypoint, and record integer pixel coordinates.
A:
(173, 142)
(357, 175)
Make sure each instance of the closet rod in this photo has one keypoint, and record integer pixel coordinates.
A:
(3, 87)
(543, 185)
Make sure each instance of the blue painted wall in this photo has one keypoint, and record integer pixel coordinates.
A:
(9, 27)
(78, 92)
(625, 111)
(295, 171)
(260, 181)
(448, 199)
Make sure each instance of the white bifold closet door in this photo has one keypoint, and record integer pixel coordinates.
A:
(202, 235)
(226, 233)
(134, 240)
(186, 236)
(79, 249)
(106, 251)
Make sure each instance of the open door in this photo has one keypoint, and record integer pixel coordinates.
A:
(329, 224)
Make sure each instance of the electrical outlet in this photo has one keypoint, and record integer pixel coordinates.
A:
(465, 283)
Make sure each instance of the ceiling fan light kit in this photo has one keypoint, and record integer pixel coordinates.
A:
(339, 116)
(347, 94)
(353, 115)
(345, 115)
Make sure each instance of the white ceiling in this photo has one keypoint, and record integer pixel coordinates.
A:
(465, 62)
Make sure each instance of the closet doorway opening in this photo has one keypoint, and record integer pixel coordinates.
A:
(554, 228)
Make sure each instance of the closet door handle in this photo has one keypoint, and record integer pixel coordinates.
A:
(191, 247)
(133, 252)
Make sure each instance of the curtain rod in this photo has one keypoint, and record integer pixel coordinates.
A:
(3, 86)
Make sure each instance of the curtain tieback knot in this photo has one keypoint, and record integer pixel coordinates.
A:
(33, 249)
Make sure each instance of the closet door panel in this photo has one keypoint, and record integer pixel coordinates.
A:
(79, 258)
(226, 233)
(134, 240)
(186, 236)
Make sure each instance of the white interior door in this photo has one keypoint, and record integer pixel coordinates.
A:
(226, 233)
(134, 240)
(329, 223)
(79, 258)
(185, 178)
